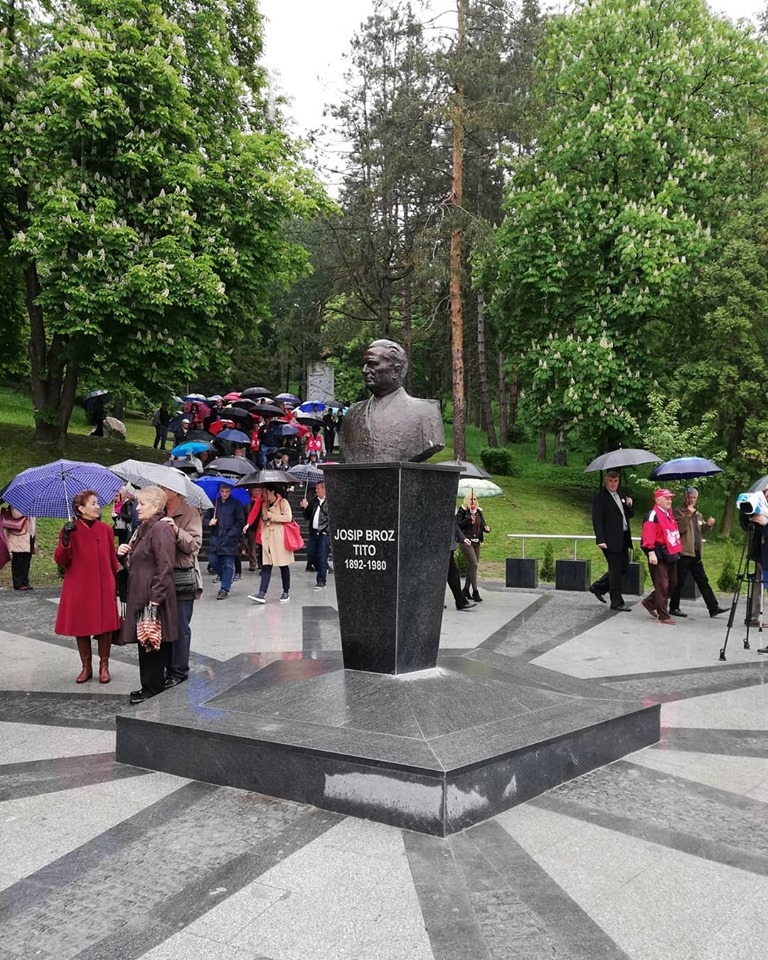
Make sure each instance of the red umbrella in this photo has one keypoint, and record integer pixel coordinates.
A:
(205, 410)
(234, 395)
(219, 425)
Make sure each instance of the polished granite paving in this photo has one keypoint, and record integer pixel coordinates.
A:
(663, 854)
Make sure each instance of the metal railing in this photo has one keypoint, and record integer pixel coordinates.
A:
(575, 537)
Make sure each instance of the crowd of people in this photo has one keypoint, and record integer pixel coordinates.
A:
(671, 539)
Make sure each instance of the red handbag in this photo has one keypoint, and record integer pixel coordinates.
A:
(292, 536)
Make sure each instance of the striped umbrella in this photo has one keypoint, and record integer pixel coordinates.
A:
(47, 491)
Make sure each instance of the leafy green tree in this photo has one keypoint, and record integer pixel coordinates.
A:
(648, 108)
(145, 190)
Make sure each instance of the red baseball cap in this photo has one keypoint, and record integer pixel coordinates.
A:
(663, 492)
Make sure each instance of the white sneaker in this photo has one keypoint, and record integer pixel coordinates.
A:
(285, 598)
(258, 597)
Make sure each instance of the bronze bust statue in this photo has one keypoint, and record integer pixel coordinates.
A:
(391, 425)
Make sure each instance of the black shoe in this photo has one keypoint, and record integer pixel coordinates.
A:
(596, 593)
(139, 696)
(678, 613)
(762, 649)
(622, 609)
(173, 682)
(476, 597)
(468, 605)
(717, 611)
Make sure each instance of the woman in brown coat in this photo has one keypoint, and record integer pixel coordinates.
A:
(150, 559)
(275, 513)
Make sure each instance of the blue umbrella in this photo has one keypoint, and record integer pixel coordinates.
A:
(287, 430)
(234, 436)
(313, 406)
(685, 468)
(287, 398)
(195, 398)
(190, 447)
(47, 491)
(210, 485)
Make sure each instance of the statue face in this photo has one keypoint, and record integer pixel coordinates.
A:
(380, 372)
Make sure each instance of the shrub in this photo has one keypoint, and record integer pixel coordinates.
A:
(547, 568)
(498, 460)
(727, 579)
(517, 434)
(461, 563)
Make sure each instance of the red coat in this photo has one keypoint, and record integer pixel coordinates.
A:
(88, 605)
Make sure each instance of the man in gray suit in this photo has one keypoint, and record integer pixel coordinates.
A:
(391, 425)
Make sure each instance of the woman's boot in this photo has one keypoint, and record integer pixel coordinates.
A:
(86, 658)
(476, 597)
(105, 645)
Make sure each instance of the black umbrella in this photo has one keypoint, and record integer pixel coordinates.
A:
(236, 413)
(201, 435)
(254, 392)
(90, 398)
(615, 459)
(468, 470)
(293, 454)
(245, 404)
(309, 420)
(258, 478)
(268, 410)
(236, 465)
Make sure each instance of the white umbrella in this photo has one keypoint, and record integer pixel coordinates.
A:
(142, 473)
(479, 486)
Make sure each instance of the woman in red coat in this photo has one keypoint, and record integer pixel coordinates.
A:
(88, 606)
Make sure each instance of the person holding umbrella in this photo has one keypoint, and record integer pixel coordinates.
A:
(471, 523)
(88, 605)
(225, 521)
(611, 513)
(275, 513)
(692, 524)
(319, 542)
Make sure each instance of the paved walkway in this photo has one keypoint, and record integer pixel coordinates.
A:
(662, 855)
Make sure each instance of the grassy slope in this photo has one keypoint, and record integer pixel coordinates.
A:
(542, 499)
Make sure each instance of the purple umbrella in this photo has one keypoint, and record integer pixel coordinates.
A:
(234, 436)
(47, 491)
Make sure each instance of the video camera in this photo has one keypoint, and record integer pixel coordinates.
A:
(752, 504)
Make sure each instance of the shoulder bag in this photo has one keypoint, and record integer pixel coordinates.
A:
(292, 538)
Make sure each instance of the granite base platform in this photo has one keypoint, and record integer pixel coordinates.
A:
(435, 751)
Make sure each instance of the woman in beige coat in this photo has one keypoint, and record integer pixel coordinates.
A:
(20, 538)
(275, 513)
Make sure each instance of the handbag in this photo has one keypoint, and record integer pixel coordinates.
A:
(185, 581)
(149, 631)
(292, 538)
(11, 523)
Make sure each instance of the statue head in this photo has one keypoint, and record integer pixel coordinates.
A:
(385, 365)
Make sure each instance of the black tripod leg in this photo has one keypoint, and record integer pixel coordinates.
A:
(740, 576)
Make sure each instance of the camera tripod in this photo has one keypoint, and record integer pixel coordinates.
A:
(747, 572)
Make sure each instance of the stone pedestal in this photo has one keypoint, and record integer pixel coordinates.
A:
(632, 581)
(391, 529)
(573, 575)
(523, 572)
(689, 591)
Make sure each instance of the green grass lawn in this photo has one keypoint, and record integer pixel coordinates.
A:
(540, 499)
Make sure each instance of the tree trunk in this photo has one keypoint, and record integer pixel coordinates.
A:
(559, 453)
(53, 379)
(503, 429)
(514, 396)
(457, 195)
(542, 446)
(726, 523)
(407, 333)
(482, 365)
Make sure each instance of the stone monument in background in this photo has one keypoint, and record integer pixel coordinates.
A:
(391, 518)
(320, 381)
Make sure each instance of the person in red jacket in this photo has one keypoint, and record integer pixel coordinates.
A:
(88, 604)
(660, 540)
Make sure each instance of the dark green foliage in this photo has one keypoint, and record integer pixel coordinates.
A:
(547, 567)
(498, 461)
(727, 579)
(517, 433)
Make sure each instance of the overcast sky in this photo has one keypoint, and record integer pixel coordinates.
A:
(305, 43)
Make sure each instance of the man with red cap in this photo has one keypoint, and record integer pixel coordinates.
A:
(660, 542)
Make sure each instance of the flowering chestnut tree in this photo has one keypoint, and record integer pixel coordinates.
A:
(647, 107)
(144, 190)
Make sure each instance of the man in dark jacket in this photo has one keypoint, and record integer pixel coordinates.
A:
(691, 524)
(319, 539)
(226, 520)
(611, 513)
